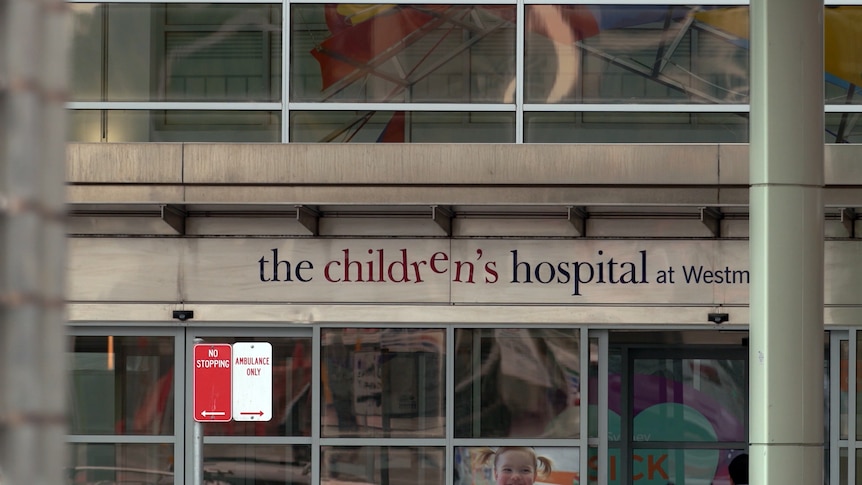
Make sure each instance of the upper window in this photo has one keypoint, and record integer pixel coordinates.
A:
(176, 52)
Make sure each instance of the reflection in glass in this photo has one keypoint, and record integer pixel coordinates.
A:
(843, 467)
(858, 478)
(117, 126)
(403, 53)
(291, 391)
(400, 127)
(563, 463)
(843, 127)
(383, 382)
(382, 465)
(122, 385)
(257, 464)
(176, 52)
(613, 127)
(680, 465)
(121, 463)
(517, 383)
(661, 466)
(692, 400)
(842, 56)
(636, 54)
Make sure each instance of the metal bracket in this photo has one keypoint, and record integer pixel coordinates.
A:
(443, 217)
(848, 218)
(711, 218)
(577, 217)
(174, 217)
(309, 218)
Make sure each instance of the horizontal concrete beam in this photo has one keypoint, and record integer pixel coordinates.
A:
(106, 174)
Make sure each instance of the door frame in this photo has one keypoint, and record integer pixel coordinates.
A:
(629, 352)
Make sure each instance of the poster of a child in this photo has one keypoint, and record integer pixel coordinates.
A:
(516, 465)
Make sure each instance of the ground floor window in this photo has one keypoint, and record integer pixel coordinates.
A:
(433, 404)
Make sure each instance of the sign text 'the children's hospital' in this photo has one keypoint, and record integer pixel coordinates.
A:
(577, 274)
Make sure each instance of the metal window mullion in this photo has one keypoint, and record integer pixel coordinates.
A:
(182, 393)
(249, 332)
(172, 105)
(495, 442)
(450, 406)
(415, 2)
(316, 404)
(257, 440)
(188, 423)
(843, 108)
(125, 330)
(642, 2)
(178, 1)
(520, 21)
(456, 107)
(583, 404)
(113, 439)
(851, 405)
(835, 339)
(642, 108)
(285, 72)
(603, 397)
(384, 442)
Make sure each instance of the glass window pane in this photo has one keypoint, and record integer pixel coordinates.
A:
(843, 127)
(662, 466)
(517, 383)
(117, 126)
(378, 465)
(240, 464)
(401, 53)
(383, 382)
(843, 467)
(858, 467)
(509, 465)
(589, 127)
(400, 127)
(843, 57)
(291, 391)
(176, 52)
(636, 54)
(122, 385)
(675, 465)
(121, 463)
(691, 400)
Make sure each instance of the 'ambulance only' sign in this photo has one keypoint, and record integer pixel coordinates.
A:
(252, 381)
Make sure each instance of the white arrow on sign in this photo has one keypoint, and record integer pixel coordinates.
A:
(212, 413)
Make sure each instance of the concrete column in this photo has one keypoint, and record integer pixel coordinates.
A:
(786, 242)
(33, 64)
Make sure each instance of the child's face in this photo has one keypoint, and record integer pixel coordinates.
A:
(515, 467)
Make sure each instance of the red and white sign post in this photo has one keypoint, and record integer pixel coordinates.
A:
(211, 378)
(252, 381)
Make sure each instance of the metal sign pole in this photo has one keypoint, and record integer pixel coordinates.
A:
(198, 445)
(198, 453)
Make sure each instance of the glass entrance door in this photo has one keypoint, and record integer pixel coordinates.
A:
(685, 410)
(676, 413)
